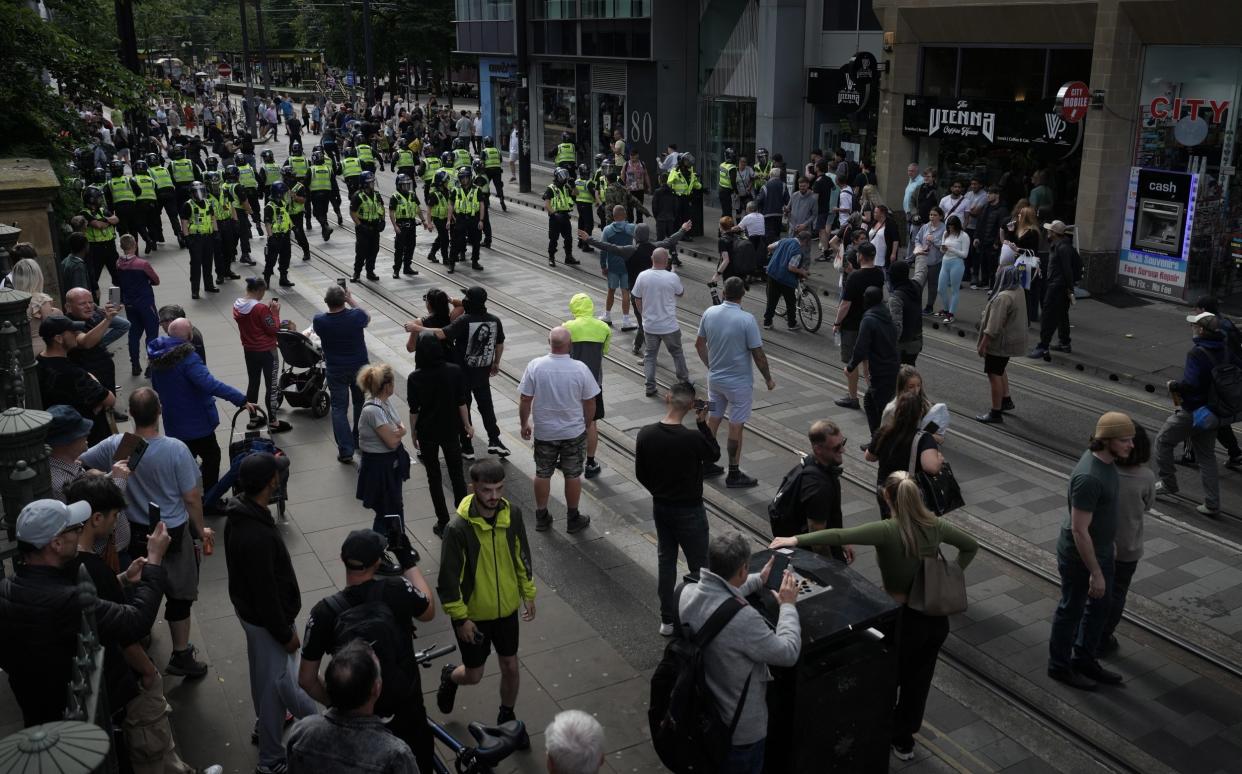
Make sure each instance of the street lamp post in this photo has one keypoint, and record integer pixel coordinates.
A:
(248, 107)
(267, 74)
(369, 52)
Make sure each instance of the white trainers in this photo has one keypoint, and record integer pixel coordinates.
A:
(666, 630)
(627, 324)
(606, 318)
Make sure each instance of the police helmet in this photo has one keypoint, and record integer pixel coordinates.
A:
(566, 137)
(686, 160)
(176, 152)
(117, 168)
(231, 174)
(198, 191)
(153, 160)
(99, 175)
(213, 163)
(277, 191)
(479, 167)
(351, 153)
(446, 159)
(459, 142)
(368, 180)
(268, 156)
(600, 159)
(356, 138)
(730, 155)
(584, 171)
(93, 196)
(73, 169)
(213, 181)
(317, 156)
(404, 184)
(487, 142)
(295, 149)
(140, 167)
(441, 178)
(761, 155)
(562, 175)
(286, 172)
(239, 158)
(465, 173)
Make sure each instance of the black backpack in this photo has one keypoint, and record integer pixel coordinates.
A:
(782, 511)
(372, 622)
(686, 730)
(743, 259)
(1225, 392)
(1076, 265)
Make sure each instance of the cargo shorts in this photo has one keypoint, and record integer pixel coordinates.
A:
(569, 456)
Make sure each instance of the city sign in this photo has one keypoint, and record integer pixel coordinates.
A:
(1163, 108)
(1073, 100)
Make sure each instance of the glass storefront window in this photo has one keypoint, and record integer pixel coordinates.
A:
(939, 72)
(608, 116)
(556, 9)
(560, 115)
(726, 124)
(849, 16)
(484, 10)
(1015, 74)
(615, 9)
(552, 74)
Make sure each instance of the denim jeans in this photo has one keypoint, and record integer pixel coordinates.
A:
(1123, 573)
(745, 758)
(684, 527)
(1079, 620)
(343, 387)
(117, 329)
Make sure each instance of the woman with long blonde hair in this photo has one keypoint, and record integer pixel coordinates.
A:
(901, 543)
(385, 462)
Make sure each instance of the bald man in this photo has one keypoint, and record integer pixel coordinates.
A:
(558, 401)
(103, 327)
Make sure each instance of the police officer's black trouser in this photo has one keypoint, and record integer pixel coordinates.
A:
(168, 202)
(559, 226)
(586, 221)
(227, 232)
(202, 251)
(465, 231)
(319, 205)
(403, 255)
(497, 176)
(366, 247)
(276, 254)
(442, 240)
(299, 235)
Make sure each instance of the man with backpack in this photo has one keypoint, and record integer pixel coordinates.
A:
(265, 595)
(1064, 269)
(380, 611)
(1208, 395)
(809, 497)
(737, 648)
(1233, 343)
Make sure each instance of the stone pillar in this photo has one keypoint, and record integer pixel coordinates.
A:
(1107, 146)
(893, 151)
(27, 189)
(782, 91)
(25, 474)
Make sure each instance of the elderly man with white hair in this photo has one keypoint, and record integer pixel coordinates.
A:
(575, 743)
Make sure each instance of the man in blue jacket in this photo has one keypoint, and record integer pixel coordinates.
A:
(188, 393)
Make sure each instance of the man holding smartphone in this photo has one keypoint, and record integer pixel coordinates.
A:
(668, 461)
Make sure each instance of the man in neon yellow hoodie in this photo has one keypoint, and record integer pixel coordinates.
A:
(591, 338)
(485, 576)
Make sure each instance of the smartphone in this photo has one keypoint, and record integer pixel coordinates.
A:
(275, 298)
(153, 514)
(780, 563)
(341, 281)
(932, 428)
(135, 456)
(114, 296)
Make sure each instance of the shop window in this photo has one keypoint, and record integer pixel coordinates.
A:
(559, 115)
(1065, 65)
(1011, 74)
(849, 16)
(939, 72)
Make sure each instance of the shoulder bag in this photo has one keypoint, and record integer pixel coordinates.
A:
(941, 492)
(939, 587)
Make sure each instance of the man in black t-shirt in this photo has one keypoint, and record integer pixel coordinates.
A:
(823, 188)
(407, 598)
(819, 492)
(63, 381)
(850, 312)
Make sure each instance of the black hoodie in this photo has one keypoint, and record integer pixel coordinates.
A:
(262, 584)
(877, 344)
(435, 390)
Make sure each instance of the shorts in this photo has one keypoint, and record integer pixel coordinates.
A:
(733, 403)
(994, 365)
(599, 406)
(568, 456)
(501, 633)
(821, 220)
(848, 340)
(618, 279)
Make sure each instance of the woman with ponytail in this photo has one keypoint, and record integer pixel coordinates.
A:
(901, 543)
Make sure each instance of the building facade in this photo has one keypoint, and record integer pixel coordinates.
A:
(1147, 176)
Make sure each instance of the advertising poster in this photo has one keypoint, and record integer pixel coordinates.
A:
(1155, 242)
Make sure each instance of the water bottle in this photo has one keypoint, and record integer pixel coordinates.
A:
(836, 338)
(715, 294)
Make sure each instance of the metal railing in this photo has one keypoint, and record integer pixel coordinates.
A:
(87, 695)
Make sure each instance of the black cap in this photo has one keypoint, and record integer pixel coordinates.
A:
(58, 324)
(258, 469)
(362, 548)
(475, 294)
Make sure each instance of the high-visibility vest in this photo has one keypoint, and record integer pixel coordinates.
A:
(437, 203)
(121, 192)
(281, 222)
(403, 207)
(183, 171)
(430, 168)
(726, 178)
(351, 167)
(105, 234)
(405, 159)
(247, 177)
(296, 207)
(161, 177)
(200, 217)
(461, 157)
(566, 153)
(480, 185)
(561, 199)
(236, 195)
(223, 205)
(761, 174)
(364, 153)
(370, 207)
(681, 185)
(299, 165)
(584, 194)
(321, 177)
(146, 187)
(466, 202)
(271, 171)
(491, 158)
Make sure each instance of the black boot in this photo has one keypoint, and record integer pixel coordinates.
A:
(284, 281)
(992, 417)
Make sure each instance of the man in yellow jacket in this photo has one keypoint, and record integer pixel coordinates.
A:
(485, 576)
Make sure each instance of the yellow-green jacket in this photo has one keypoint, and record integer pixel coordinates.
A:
(485, 569)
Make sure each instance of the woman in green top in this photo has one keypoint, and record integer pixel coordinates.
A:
(901, 542)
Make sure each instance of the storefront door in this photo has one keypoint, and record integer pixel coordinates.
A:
(607, 118)
(727, 123)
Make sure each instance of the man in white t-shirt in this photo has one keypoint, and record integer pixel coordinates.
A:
(752, 223)
(558, 400)
(655, 297)
(954, 205)
(845, 205)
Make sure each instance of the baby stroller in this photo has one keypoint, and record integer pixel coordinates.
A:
(251, 442)
(308, 388)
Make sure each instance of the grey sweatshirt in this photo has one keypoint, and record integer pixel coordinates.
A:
(802, 210)
(745, 646)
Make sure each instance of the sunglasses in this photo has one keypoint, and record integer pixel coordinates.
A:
(75, 530)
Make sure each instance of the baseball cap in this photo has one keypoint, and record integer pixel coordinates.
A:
(1202, 318)
(67, 425)
(1056, 227)
(475, 294)
(42, 520)
(258, 469)
(362, 548)
(58, 324)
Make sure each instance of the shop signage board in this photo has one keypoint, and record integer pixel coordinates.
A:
(1073, 100)
(838, 92)
(994, 122)
(1155, 241)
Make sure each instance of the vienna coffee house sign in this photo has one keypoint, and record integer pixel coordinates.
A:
(959, 122)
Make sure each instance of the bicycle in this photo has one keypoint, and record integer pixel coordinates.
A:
(810, 313)
(494, 743)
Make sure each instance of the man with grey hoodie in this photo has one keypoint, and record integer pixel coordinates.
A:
(736, 662)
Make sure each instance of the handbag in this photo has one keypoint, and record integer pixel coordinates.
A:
(939, 587)
(941, 492)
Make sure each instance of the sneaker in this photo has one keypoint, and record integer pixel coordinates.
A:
(606, 318)
(1072, 678)
(183, 664)
(1061, 348)
(396, 274)
(1037, 353)
(447, 691)
(1164, 490)
(711, 470)
(666, 630)
(572, 261)
(948, 318)
(767, 325)
(135, 370)
(543, 521)
(847, 402)
(739, 480)
(627, 325)
(373, 277)
(279, 767)
(1091, 669)
(1211, 513)
(345, 459)
(992, 417)
(577, 525)
(792, 327)
(498, 448)
(651, 392)
(592, 469)
(974, 286)
(467, 451)
(1007, 404)
(903, 753)
(1234, 462)
(438, 529)
(927, 311)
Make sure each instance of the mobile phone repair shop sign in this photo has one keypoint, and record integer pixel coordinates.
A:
(990, 122)
(1155, 240)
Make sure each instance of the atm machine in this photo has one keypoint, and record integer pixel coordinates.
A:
(832, 711)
